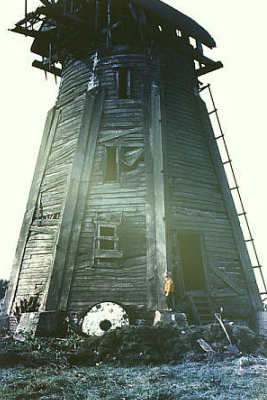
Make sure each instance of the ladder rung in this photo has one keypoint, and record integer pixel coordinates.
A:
(263, 293)
(234, 188)
(243, 213)
(204, 87)
(219, 137)
(257, 266)
(227, 162)
(249, 240)
(213, 111)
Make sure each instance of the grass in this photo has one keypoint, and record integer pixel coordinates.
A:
(185, 381)
(135, 363)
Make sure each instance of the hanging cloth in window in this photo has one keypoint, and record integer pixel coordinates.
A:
(129, 157)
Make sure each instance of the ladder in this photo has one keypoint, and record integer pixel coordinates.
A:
(235, 188)
(201, 306)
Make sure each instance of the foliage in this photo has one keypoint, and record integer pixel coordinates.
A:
(3, 288)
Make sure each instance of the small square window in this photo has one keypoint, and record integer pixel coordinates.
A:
(107, 231)
(107, 242)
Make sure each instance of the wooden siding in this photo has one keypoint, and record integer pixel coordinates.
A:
(196, 200)
(37, 261)
(73, 199)
(121, 280)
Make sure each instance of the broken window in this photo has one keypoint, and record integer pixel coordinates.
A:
(107, 237)
(107, 242)
(111, 169)
(120, 158)
(124, 83)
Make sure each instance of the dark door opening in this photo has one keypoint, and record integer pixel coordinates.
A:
(192, 262)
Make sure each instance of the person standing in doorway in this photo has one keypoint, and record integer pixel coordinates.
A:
(169, 292)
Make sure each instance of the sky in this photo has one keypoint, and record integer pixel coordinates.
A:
(240, 91)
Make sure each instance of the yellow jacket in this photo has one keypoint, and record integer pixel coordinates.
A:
(168, 286)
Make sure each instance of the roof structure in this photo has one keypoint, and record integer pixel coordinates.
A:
(65, 27)
(171, 15)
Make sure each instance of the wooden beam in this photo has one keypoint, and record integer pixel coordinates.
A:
(151, 275)
(82, 197)
(51, 69)
(157, 152)
(209, 68)
(224, 277)
(47, 140)
(58, 284)
(56, 13)
(29, 16)
(32, 33)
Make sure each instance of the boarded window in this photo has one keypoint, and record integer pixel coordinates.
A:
(124, 83)
(192, 262)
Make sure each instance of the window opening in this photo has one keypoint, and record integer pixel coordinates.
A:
(124, 83)
(111, 164)
(107, 230)
(106, 238)
(106, 244)
(192, 262)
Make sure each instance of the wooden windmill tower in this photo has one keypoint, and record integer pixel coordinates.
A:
(129, 183)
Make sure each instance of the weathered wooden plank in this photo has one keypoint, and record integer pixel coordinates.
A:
(118, 133)
(59, 285)
(157, 151)
(47, 140)
(226, 279)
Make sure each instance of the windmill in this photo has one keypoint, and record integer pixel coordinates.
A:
(129, 184)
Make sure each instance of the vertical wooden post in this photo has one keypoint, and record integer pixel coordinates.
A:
(67, 230)
(156, 138)
(108, 23)
(97, 13)
(150, 208)
(81, 200)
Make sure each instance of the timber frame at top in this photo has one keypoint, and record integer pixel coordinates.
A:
(56, 26)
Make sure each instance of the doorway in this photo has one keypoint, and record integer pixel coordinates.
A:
(190, 262)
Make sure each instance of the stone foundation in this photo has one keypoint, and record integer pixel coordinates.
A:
(41, 324)
(171, 317)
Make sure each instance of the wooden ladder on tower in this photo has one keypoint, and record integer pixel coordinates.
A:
(242, 215)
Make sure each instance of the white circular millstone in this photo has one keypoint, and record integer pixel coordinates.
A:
(104, 317)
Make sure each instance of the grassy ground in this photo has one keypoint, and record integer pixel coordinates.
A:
(184, 381)
(138, 363)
